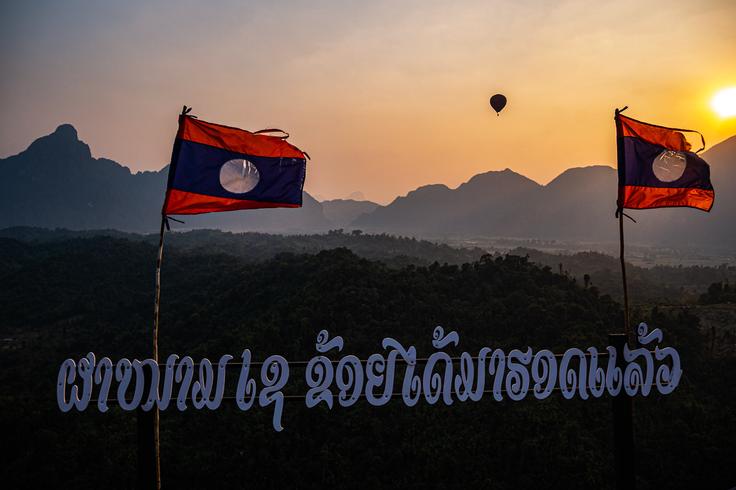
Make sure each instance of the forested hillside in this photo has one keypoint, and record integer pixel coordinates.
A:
(661, 283)
(65, 298)
(392, 250)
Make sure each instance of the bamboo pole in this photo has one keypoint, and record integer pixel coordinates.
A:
(149, 476)
(156, 310)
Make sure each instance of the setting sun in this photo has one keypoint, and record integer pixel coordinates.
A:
(724, 102)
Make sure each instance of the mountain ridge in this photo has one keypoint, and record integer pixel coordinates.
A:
(578, 204)
(342, 212)
(56, 182)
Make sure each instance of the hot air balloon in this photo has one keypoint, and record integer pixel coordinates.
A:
(498, 102)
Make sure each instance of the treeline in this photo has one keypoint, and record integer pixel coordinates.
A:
(658, 284)
(719, 292)
(65, 298)
(394, 251)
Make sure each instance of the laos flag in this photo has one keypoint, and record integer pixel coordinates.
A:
(218, 168)
(657, 169)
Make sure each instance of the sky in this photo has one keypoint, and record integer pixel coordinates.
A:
(384, 95)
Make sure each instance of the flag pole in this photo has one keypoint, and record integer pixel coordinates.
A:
(156, 309)
(156, 306)
(627, 327)
(622, 405)
(620, 215)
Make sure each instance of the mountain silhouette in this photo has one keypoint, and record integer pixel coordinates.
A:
(577, 205)
(487, 203)
(57, 183)
(342, 212)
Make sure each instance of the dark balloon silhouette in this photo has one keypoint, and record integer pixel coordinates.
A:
(498, 102)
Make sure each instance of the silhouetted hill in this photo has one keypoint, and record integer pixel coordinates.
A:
(342, 212)
(57, 183)
(501, 204)
(577, 205)
(487, 202)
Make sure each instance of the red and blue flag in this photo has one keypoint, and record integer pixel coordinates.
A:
(657, 168)
(219, 168)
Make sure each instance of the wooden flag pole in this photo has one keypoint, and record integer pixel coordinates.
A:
(149, 459)
(158, 287)
(156, 309)
(149, 476)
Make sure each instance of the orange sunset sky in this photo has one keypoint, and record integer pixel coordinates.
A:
(384, 95)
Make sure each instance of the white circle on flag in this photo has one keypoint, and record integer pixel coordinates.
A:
(239, 176)
(669, 165)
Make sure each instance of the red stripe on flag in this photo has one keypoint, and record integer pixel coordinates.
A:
(640, 197)
(236, 140)
(669, 138)
(182, 202)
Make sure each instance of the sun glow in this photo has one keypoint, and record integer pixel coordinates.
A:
(724, 102)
